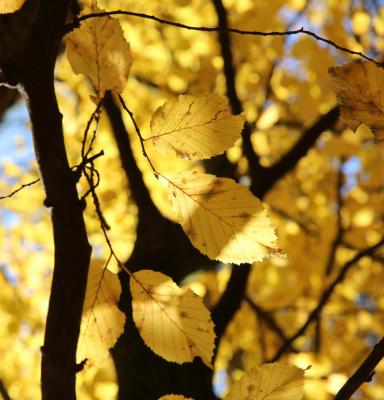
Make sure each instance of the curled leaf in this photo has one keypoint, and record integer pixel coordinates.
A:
(359, 88)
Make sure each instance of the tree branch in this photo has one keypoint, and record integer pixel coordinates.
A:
(140, 193)
(270, 321)
(299, 150)
(325, 297)
(72, 250)
(75, 23)
(255, 169)
(262, 178)
(232, 297)
(363, 374)
(23, 186)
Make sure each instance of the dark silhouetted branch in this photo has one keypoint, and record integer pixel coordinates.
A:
(269, 320)
(325, 297)
(303, 31)
(23, 186)
(137, 186)
(72, 250)
(309, 229)
(363, 374)
(231, 299)
(262, 178)
(288, 162)
(255, 169)
(78, 169)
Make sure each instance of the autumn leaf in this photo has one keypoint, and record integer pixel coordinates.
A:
(195, 127)
(10, 6)
(99, 50)
(172, 321)
(175, 397)
(222, 218)
(102, 322)
(359, 87)
(277, 381)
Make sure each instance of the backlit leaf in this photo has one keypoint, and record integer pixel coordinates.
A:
(102, 322)
(277, 381)
(222, 218)
(195, 127)
(359, 88)
(99, 50)
(10, 6)
(172, 321)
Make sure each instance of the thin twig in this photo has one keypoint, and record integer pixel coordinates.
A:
(325, 297)
(269, 320)
(92, 190)
(309, 230)
(139, 135)
(363, 374)
(78, 169)
(94, 116)
(24, 185)
(76, 22)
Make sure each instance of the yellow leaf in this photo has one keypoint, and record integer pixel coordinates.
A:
(222, 218)
(102, 322)
(10, 6)
(99, 50)
(172, 321)
(195, 127)
(175, 397)
(277, 381)
(359, 88)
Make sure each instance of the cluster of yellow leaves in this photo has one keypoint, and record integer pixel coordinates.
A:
(221, 218)
(286, 287)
